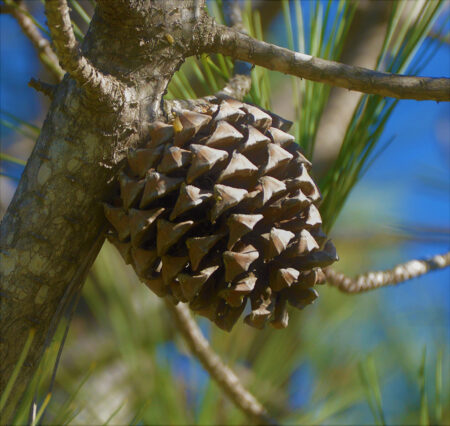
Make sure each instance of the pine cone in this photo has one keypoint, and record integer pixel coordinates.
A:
(219, 208)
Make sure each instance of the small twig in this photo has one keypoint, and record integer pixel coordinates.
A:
(233, 43)
(373, 280)
(4, 9)
(442, 38)
(241, 82)
(237, 87)
(46, 88)
(42, 45)
(70, 56)
(223, 375)
(233, 15)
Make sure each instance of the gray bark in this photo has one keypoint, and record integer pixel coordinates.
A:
(54, 226)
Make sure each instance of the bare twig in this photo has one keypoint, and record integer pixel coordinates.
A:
(223, 375)
(241, 82)
(70, 56)
(373, 280)
(4, 9)
(237, 87)
(232, 43)
(442, 38)
(42, 45)
(233, 15)
(41, 86)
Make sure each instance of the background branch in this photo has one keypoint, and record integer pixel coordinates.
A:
(46, 54)
(373, 280)
(230, 42)
(233, 15)
(362, 46)
(223, 375)
(241, 82)
(70, 56)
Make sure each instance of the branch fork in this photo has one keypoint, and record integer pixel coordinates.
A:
(70, 56)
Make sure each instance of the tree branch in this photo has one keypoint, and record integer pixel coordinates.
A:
(42, 45)
(41, 86)
(241, 82)
(45, 241)
(363, 44)
(399, 274)
(232, 43)
(233, 15)
(70, 56)
(237, 87)
(223, 375)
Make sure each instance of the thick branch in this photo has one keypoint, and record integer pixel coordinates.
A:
(240, 46)
(70, 56)
(223, 375)
(399, 274)
(50, 231)
(42, 45)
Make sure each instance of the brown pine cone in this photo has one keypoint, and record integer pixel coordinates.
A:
(218, 209)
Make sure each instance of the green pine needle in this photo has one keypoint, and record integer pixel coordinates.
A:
(26, 348)
(424, 416)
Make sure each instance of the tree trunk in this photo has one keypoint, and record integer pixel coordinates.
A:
(54, 226)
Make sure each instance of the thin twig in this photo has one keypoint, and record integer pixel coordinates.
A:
(42, 45)
(237, 87)
(43, 87)
(223, 375)
(442, 38)
(399, 274)
(233, 15)
(240, 84)
(70, 56)
(233, 43)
